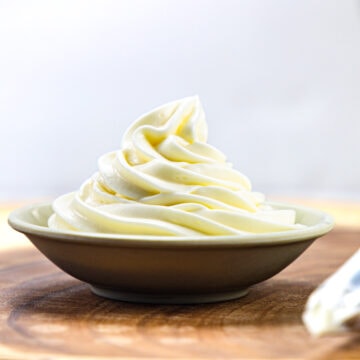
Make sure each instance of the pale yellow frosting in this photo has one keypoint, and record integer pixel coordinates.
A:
(167, 180)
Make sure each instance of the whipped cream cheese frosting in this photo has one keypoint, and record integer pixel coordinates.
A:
(167, 180)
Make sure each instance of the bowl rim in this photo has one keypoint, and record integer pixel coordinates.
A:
(322, 227)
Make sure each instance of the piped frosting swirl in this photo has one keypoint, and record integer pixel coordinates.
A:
(167, 180)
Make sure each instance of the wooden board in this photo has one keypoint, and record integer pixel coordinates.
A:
(46, 314)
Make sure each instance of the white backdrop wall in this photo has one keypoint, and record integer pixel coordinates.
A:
(279, 81)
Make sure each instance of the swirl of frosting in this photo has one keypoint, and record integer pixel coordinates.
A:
(167, 180)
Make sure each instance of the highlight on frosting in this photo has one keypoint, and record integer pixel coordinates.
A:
(167, 180)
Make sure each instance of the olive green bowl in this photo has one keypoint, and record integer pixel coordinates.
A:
(153, 269)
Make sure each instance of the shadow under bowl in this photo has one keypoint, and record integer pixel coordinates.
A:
(177, 270)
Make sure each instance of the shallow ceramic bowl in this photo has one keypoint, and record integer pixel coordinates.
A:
(170, 269)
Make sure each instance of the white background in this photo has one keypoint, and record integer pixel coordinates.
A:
(279, 81)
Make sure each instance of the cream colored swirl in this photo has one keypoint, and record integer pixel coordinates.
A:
(166, 180)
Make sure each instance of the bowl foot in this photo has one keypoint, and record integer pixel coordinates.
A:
(167, 298)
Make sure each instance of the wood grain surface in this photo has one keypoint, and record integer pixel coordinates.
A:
(46, 314)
